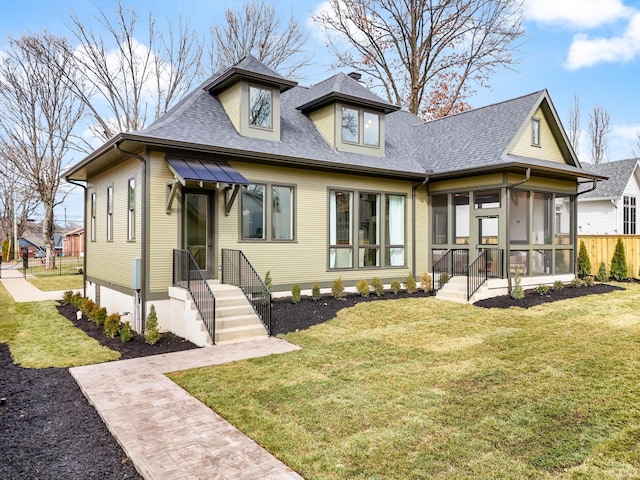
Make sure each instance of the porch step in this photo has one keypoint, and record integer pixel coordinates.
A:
(454, 290)
(236, 320)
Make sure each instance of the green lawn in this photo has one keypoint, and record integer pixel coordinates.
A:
(420, 388)
(39, 337)
(57, 282)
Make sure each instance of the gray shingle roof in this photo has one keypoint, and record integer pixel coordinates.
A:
(619, 173)
(248, 67)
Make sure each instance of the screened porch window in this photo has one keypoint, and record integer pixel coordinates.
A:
(440, 223)
(461, 221)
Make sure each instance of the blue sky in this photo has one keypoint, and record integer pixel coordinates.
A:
(585, 47)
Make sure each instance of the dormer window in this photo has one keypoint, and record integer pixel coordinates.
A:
(260, 107)
(360, 127)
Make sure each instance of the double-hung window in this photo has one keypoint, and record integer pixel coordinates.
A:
(110, 213)
(131, 209)
(268, 212)
(629, 215)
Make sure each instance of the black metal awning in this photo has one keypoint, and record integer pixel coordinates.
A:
(204, 171)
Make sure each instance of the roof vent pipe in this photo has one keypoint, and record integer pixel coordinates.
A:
(355, 75)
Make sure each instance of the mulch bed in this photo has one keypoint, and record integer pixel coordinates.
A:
(48, 430)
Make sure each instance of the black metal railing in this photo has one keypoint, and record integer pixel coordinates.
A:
(453, 262)
(238, 271)
(187, 274)
(487, 265)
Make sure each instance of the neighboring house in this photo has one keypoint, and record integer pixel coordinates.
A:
(312, 184)
(34, 244)
(73, 243)
(611, 209)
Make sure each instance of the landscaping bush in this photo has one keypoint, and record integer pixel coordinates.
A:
(618, 269)
(378, 286)
(425, 282)
(77, 300)
(517, 293)
(443, 279)
(558, 285)
(337, 290)
(542, 290)
(410, 285)
(589, 281)
(98, 316)
(363, 288)
(125, 332)
(295, 293)
(577, 283)
(267, 280)
(151, 331)
(67, 297)
(315, 292)
(602, 273)
(87, 307)
(112, 325)
(395, 287)
(584, 263)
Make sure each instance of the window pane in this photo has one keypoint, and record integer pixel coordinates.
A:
(260, 107)
(368, 231)
(541, 218)
(520, 260)
(461, 203)
(109, 213)
(349, 125)
(488, 230)
(371, 129)
(518, 217)
(440, 219)
(340, 258)
(535, 132)
(489, 199)
(541, 262)
(564, 212)
(131, 219)
(564, 261)
(281, 213)
(394, 228)
(340, 229)
(253, 212)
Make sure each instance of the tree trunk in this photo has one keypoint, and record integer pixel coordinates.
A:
(47, 235)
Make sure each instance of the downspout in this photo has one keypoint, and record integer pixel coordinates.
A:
(574, 226)
(413, 225)
(84, 225)
(143, 232)
(507, 250)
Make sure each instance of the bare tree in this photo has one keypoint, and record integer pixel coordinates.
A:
(254, 28)
(39, 114)
(407, 48)
(598, 130)
(574, 122)
(123, 82)
(637, 154)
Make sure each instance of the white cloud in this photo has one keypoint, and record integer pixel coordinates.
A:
(623, 141)
(585, 51)
(577, 13)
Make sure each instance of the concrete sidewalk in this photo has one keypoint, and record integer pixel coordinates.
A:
(168, 434)
(22, 291)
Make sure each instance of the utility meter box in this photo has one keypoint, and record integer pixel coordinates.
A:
(136, 274)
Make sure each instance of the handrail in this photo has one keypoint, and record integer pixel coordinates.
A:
(454, 262)
(487, 265)
(187, 274)
(238, 271)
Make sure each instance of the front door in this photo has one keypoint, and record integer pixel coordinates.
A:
(198, 229)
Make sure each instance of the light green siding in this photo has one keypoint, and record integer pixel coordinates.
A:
(324, 119)
(466, 183)
(110, 261)
(230, 99)
(548, 149)
(306, 259)
(163, 227)
(543, 183)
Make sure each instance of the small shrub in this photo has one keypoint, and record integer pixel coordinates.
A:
(577, 283)
(77, 300)
(337, 290)
(378, 286)
(558, 285)
(87, 306)
(619, 262)
(151, 331)
(125, 332)
(98, 316)
(425, 282)
(443, 279)
(112, 325)
(267, 280)
(315, 292)
(67, 296)
(589, 281)
(410, 285)
(602, 273)
(395, 287)
(295, 293)
(363, 288)
(542, 290)
(517, 293)
(584, 263)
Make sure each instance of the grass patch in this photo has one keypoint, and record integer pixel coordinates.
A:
(421, 388)
(57, 282)
(39, 337)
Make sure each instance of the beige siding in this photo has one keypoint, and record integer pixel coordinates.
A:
(325, 121)
(548, 149)
(305, 260)
(110, 261)
(163, 227)
(459, 184)
(542, 183)
(230, 99)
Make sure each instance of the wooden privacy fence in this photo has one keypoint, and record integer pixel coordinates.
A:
(602, 247)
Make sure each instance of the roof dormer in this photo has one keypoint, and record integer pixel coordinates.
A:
(250, 95)
(349, 116)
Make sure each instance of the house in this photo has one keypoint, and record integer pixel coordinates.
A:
(73, 243)
(611, 209)
(251, 173)
(34, 244)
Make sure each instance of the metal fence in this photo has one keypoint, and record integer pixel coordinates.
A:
(37, 267)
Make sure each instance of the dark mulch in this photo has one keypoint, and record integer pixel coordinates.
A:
(48, 430)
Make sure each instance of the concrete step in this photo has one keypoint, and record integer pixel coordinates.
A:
(234, 310)
(249, 320)
(460, 297)
(240, 334)
(231, 301)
